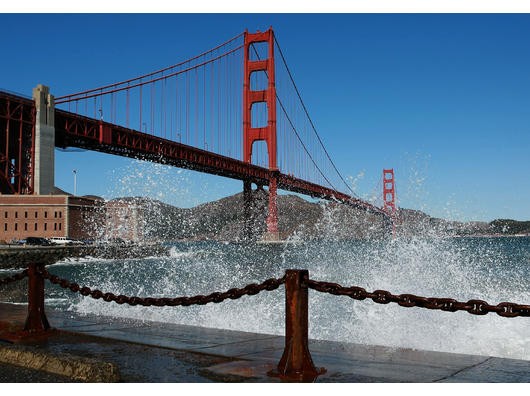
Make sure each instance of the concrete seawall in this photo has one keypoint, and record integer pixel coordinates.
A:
(18, 257)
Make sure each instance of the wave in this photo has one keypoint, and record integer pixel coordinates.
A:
(80, 261)
(460, 269)
(175, 253)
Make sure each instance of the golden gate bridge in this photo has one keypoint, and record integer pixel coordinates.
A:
(233, 111)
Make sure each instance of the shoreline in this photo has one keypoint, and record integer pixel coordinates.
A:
(18, 257)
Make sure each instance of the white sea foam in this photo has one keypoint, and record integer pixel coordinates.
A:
(80, 261)
(9, 271)
(176, 253)
(426, 267)
(429, 266)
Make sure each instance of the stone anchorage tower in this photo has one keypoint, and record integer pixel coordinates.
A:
(44, 140)
(263, 133)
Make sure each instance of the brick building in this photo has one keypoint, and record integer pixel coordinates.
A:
(47, 216)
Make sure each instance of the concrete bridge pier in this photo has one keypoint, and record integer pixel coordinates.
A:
(247, 209)
(272, 234)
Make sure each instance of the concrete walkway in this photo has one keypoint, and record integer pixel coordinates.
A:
(160, 352)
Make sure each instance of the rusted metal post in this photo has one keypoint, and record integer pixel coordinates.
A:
(36, 320)
(296, 363)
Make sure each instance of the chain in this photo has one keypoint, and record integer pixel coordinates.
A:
(252, 289)
(475, 307)
(13, 278)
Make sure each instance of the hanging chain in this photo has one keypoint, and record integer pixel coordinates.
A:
(475, 307)
(13, 278)
(217, 297)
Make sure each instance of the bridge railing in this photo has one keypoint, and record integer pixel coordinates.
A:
(296, 363)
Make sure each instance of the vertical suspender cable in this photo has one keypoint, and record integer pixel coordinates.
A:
(196, 108)
(204, 107)
(219, 107)
(152, 128)
(140, 110)
(127, 110)
(187, 107)
(178, 129)
(210, 110)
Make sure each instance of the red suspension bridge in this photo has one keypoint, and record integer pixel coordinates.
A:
(233, 111)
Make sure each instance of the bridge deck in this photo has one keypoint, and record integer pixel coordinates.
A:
(73, 130)
(160, 352)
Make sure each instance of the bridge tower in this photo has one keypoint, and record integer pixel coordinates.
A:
(266, 133)
(389, 196)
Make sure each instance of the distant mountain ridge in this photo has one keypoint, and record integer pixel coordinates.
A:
(224, 220)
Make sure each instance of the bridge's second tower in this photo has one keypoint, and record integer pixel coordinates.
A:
(266, 133)
(389, 196)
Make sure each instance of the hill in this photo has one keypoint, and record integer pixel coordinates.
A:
(224, 220)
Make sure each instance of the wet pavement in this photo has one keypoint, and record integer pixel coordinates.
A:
(156, 352)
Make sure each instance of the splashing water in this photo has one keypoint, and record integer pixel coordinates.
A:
(492, 269)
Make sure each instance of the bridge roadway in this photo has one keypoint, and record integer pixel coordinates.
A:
(143, 351)
(73, 130)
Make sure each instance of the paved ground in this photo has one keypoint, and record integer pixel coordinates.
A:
(161, 352)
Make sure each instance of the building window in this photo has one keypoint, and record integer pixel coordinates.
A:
(35, 226)
(36, 214)
(55, 226)
(46, 215)
(25, 226)
(60, 215)
(16, 215)
(5, 215)
(45, 227)
(55, 214)
(5, 226)
(60, 225)
(16, 226)
(25, 215)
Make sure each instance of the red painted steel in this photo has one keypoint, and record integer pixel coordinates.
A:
(268, 96)
(389, 192)
(389, 197)
(17, 144)
(72, 130)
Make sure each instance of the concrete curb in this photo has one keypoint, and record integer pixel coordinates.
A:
(74, 367)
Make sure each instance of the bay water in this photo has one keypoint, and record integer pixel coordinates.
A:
(490, 269)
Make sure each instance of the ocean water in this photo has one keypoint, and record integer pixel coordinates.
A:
(491, 269)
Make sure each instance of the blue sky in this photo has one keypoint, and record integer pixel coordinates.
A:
(444, 99)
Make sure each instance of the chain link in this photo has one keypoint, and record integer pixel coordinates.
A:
(13, 278)
(217, 297)
(475, 307)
